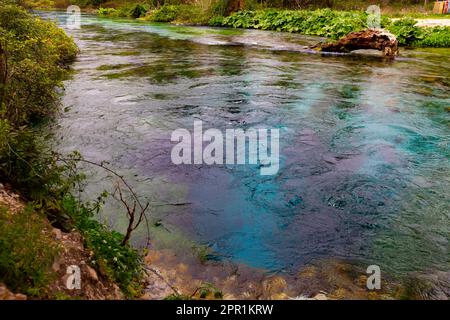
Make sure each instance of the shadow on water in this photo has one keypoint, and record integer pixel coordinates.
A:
(364, 168)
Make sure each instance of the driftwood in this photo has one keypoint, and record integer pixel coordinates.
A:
(368, 39)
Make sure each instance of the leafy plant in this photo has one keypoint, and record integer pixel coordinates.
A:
(216, 21)
(122, 264)
(438, 37)
(323, 22)
(138, 10)
(106, 11)
(166, 13)
(34, 52)
(406, 31)
(409, 34)
(208, 291)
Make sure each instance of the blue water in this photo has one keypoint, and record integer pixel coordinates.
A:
(364, 143)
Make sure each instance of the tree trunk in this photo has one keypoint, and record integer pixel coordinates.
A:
(129, 231)
(235, 5)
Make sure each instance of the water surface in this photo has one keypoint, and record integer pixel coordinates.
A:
(364, 147)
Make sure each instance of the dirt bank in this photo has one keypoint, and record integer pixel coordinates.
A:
(94, 285)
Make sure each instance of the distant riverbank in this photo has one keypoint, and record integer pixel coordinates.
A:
(327, 23)
(414, 25)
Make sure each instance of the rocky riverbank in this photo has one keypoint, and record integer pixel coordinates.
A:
(172, 276)
(71, 251)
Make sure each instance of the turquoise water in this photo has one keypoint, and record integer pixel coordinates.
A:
(364, 143)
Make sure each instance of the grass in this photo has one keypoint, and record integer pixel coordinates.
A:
(27, 251)
(121, 263)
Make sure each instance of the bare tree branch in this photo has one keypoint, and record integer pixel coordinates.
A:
(133, 224)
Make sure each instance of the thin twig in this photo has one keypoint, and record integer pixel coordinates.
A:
(130, 189)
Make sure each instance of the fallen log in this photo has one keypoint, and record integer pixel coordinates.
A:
(367, 39)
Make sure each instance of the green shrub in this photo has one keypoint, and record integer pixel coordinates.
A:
(138, 10)
(332, 24)
(216, 21)
(123, 12)
(438, 37)
(406, 31)
(35, 53)
(122, 264)
(106, 11)
(166, 13)
(129, 11)
(241, 19)
(409, 34)
(39, 4)
(323, 22)
(27, 251)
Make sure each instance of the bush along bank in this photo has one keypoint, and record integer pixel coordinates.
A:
(34, 59)
(334, 25)
(321, 22)
(178, 14)
(409, 34)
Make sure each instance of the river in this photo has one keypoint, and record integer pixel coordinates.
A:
(364, 143)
